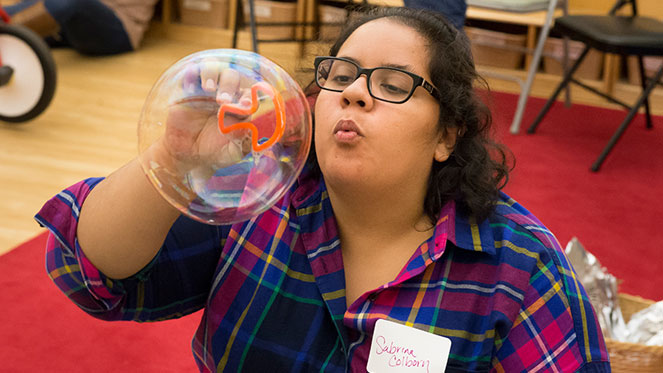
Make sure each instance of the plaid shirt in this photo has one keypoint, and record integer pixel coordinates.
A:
(273, 290)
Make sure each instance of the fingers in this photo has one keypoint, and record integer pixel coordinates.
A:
(210, 72)
(245, 97)
(219, 77)
(230, 86)
(229, 80)
(191, 80)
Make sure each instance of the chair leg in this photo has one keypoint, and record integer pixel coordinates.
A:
(565, 67)
(254, 31)
(622, 127)
(565, 58)
(643, 82)
(567, 79)
(239, 18)
(533, 67)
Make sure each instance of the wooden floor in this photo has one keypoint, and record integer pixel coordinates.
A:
(90, 127)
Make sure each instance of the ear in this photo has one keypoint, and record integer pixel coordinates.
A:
(446, 144)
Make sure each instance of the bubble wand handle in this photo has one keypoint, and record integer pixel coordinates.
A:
(279, 110)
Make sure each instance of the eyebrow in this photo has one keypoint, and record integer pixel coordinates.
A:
(394, 65)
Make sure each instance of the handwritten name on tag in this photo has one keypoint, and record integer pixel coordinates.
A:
(399, 348)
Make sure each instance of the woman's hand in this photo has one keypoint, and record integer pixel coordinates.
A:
(192, 138)
(124, 220)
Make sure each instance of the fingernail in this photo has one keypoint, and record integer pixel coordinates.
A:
(224, 96)
(210, 85)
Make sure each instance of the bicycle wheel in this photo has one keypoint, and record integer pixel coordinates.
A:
(32, 86)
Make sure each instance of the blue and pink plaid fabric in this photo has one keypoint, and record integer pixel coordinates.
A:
(273, 289)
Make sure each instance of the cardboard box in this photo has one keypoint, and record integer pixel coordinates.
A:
(488, 55)
(590, 68)
(651, 65)
(273, 11)
(206, 13)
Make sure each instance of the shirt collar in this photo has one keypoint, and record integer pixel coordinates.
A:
(473, 236)
(308, 189)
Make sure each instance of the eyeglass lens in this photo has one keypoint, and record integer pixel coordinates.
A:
(384, 83)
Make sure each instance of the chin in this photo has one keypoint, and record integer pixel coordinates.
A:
(346, 165)
(345, 177)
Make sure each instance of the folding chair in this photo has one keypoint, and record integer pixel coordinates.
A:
(526, 12)
(617, 34)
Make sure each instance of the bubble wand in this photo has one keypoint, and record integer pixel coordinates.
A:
(279, 110)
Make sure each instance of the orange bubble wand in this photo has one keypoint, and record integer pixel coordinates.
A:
(279, 110)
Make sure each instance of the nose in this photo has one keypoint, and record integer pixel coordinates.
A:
(357, 94)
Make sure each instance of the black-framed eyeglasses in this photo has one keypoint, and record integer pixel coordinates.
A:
(388, 84)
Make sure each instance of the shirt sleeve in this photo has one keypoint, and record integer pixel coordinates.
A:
(556, 329)
(174, 284)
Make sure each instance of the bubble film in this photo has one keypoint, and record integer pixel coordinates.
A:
(224, 134)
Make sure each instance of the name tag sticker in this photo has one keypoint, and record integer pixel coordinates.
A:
(399, 348)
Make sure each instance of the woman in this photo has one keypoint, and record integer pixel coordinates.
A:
(398, 217)
(94, 27)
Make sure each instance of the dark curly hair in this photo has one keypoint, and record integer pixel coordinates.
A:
(478, 167)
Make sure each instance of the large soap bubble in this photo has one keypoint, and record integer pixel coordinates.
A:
(224, 134)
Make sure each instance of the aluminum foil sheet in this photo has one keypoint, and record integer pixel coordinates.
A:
(646, 326)
(656, 340)
(601, 287)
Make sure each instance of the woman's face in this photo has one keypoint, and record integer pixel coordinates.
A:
(361, 141)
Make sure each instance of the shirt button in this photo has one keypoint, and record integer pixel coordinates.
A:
(372, 297)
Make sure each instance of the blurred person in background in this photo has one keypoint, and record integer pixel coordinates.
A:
(453, 10)
(94, 27)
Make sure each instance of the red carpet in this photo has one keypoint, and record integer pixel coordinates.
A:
(614, 214)
(41, 330)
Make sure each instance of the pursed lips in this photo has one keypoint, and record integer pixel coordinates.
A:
(346, 131)
(346, 125)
